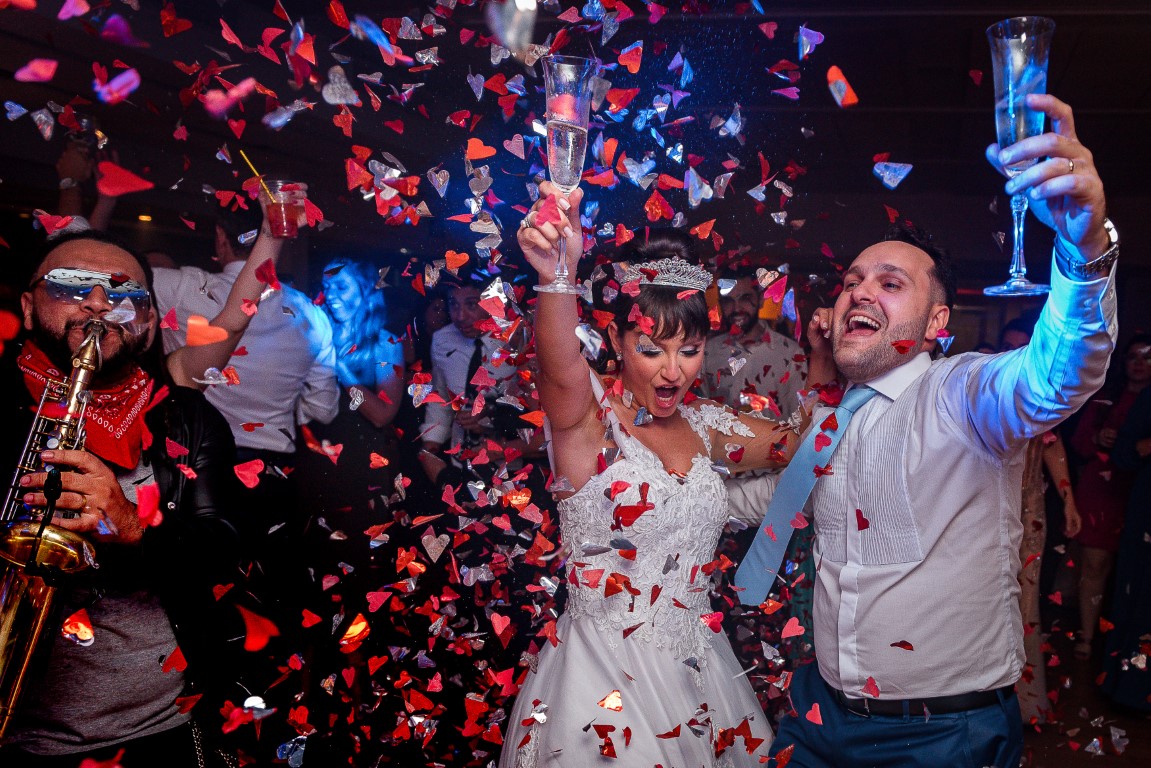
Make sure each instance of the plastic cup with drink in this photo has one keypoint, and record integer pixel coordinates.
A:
(284, 206)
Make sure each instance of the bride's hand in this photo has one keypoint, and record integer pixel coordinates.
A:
(539, 240)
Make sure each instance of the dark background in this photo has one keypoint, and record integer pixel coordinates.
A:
(909, 62)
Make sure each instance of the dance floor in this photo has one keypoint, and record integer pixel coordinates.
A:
(1083, 733)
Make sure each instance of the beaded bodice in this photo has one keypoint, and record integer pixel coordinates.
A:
(642, 540)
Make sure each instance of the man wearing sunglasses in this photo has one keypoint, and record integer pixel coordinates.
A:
(150, 600)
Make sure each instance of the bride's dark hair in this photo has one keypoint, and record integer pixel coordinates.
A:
(662, 303)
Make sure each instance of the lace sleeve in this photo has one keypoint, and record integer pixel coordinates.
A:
(708, 416)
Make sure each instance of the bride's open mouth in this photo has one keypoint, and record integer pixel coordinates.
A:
(665, 397)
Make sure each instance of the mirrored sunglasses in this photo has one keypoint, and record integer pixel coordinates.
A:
(75, 285)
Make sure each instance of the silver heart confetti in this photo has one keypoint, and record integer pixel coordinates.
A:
(439, 180)
(476, 83)
(515, 145)
(338, 90)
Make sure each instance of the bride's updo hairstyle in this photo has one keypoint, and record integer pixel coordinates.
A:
(671, 314)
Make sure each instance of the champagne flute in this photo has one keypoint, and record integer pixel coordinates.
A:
(567, 80)
(1019, 49)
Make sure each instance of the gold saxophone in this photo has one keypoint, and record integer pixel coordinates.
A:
(34, 554)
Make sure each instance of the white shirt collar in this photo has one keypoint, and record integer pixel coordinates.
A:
(892, 383)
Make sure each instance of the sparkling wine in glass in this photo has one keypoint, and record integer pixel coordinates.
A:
(1019, 49)
(568, 81)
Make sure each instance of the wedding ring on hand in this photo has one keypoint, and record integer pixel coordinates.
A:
(1070, 165)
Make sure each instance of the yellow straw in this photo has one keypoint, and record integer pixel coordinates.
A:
(258, 176)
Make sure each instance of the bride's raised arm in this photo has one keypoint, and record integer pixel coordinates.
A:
(564, 383)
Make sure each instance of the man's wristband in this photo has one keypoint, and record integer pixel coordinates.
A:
(67, 183)
(1089, 270)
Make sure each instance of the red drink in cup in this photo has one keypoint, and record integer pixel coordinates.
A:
(285, 208)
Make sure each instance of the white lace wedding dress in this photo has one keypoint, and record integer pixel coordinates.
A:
(635, 623)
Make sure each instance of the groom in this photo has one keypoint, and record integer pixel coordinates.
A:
(918, 635)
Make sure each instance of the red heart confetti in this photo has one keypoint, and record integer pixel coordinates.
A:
(258, 630)
(792, 628)
(632, 56)
(175, 661)
(477, 150)
(36, 71)
(266, 273)
(903, 346)
(249, 472)
(115, 181)
(548, 212)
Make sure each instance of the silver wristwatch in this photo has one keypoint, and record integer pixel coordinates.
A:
(1089, 270)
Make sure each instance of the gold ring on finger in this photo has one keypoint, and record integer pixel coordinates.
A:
(1070, 165)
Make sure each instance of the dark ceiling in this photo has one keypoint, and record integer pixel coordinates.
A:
(911, 64)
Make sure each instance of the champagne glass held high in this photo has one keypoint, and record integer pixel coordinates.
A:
(1019, 49)
(568, 82)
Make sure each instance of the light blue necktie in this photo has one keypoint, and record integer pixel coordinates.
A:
(756, 573)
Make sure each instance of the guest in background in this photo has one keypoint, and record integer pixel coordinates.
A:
(471, 366)
(347, 475)
(1103, 489)
(369, 363)
(746, 356)
(1126, 678)
(1044, 451)
(284, 377)
(430, 315)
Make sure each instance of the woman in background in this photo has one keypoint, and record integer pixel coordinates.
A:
(1126, 679)
(347, 475)
(352, 460)
(1103, 489)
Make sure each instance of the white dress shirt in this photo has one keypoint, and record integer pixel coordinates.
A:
(451, 354)
(918, 526)
(287, 376)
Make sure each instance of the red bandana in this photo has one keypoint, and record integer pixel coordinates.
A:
(113, 420)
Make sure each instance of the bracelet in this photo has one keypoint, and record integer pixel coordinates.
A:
(1090, 269)
(67, 183)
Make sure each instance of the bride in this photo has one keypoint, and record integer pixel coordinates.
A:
(640, 669)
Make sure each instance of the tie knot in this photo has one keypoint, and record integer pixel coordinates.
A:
(854, 398)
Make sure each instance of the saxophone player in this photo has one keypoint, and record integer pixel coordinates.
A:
(150, 492)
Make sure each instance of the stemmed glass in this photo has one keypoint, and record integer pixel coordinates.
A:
(568, 80)
(1019, 49)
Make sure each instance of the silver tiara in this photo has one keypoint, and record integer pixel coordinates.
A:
(674, 272)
